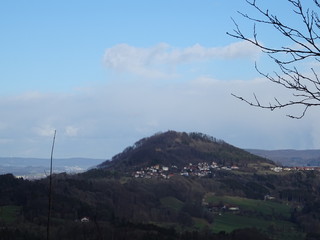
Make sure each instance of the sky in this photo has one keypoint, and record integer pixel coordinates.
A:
(106, 73)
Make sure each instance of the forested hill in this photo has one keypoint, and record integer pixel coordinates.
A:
(179, 149)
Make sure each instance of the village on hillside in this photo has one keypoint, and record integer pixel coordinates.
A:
(199, 170)
(287, 169)
(202, 169)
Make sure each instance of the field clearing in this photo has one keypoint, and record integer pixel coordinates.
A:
(228, 222)
(271, 217)
(278, 229)
(8, 214)
(266, 208)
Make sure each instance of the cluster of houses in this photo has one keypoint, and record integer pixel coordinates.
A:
(281, 169)
(154, 171)
(200, 170)
(204, 169)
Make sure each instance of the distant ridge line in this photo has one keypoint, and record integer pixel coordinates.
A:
(290, 157)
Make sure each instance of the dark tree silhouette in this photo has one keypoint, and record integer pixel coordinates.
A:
(305, 39)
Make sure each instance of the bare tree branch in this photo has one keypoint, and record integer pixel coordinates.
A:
(305, 47)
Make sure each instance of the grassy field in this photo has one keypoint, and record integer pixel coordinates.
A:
(228, 222)
(8, 214)
(271, 217)
(250, 206)
(278, 229)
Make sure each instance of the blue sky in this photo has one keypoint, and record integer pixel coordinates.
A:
(106, 73)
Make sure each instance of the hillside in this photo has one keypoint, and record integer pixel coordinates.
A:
(180, 149)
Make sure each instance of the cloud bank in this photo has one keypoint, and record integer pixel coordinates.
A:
(101, 122)
(161, 60)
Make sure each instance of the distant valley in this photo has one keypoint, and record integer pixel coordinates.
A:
(290, 157)
(39, 167)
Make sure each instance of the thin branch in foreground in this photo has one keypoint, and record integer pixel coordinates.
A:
(303, 48)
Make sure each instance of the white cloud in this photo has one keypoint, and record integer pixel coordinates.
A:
(237, 50)
(160, 60)
(44, 131)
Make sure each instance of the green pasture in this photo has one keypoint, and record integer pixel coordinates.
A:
(269, 216)
(8, 214)
(228, 222)
(277, 228)
(252, 206)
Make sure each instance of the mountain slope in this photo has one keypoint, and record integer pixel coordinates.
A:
(179, 149)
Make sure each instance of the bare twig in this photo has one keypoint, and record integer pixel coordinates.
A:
(305, 46)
